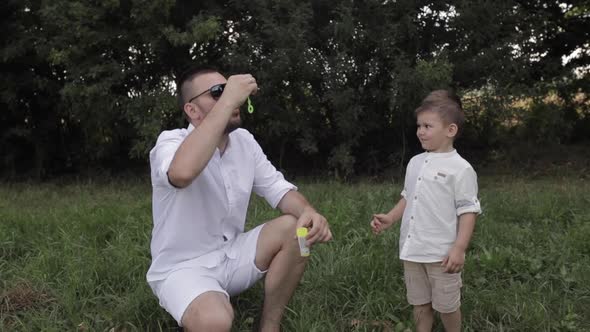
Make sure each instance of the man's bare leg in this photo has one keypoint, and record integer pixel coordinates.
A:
(452, 321)
(423, 317)
(210, 311)
(277, 250)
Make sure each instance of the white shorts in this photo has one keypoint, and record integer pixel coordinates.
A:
(230, 277)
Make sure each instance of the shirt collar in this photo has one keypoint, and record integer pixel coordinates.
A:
(441, 154)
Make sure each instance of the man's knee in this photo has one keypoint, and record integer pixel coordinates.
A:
(212, 319)
(276, 236)
(288, 220)
(287, 225)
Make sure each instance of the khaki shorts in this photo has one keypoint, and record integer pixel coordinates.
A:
(428, 283)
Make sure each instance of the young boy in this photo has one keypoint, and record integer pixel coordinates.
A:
(439, 206)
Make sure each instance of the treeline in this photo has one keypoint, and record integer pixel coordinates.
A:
(87, 85)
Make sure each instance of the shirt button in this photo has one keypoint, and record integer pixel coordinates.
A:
(425, 161)
(419, 179)
(408, 236)
(412, 217)
(415, 197)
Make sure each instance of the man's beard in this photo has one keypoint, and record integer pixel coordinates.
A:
(233, 124)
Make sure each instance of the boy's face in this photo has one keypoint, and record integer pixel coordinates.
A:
(434, 134)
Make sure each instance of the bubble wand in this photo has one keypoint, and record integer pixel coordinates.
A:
(250, 106)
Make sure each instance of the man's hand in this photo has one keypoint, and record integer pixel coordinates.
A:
(455, 260)
(237, 89)
(381, 222)
(320, 230)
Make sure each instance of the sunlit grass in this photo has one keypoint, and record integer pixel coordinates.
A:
(74, 257)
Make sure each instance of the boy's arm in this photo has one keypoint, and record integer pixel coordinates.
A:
(456, 259)
(381, 222)
(398, 210)
(466, 227)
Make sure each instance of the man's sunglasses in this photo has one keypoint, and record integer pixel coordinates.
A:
(215, 92)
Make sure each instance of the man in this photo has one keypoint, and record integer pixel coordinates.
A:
(202, 178)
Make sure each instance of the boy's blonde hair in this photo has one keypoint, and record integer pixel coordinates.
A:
(447, 104)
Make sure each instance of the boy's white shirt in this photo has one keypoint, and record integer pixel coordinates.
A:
(438, 188)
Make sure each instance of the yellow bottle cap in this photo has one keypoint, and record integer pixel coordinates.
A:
(302, 232)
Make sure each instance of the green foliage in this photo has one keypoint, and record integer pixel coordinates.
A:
(89, 84)
(545, 122)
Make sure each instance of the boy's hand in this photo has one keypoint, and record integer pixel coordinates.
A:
(380, 222)
(454, 261)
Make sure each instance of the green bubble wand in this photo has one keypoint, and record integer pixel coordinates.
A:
(250, 106)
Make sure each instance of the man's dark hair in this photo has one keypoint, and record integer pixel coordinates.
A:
(186, 76)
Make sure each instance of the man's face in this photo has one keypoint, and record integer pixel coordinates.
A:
(205, 102)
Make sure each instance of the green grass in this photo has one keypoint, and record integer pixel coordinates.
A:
(73, 258)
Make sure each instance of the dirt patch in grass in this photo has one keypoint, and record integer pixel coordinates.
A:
(19, 298)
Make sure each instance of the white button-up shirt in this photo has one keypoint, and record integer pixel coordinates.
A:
(438, 188)
(192, 223)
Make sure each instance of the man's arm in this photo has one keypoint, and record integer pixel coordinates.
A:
(197, 149)
(456, 259)
(295, 204)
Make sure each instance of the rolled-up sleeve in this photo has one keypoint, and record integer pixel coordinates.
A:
(407, 183)
(161, 156)
(466, 200)
(268, 182)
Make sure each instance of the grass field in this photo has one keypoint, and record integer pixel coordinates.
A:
(73, 257)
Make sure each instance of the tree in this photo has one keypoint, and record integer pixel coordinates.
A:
(90, 84)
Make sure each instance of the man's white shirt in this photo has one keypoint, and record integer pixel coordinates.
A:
(193, 224)
(438, 188)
